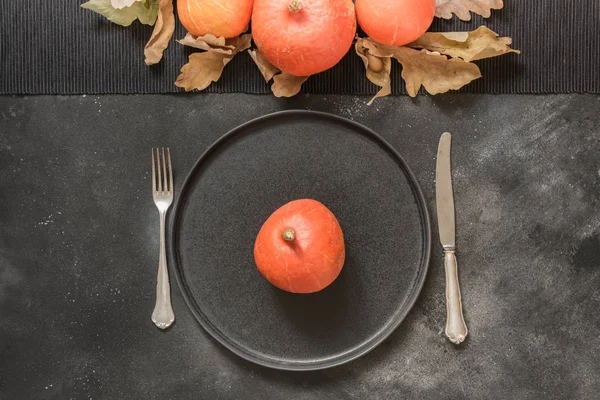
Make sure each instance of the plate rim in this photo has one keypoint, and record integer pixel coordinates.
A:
(342, 357)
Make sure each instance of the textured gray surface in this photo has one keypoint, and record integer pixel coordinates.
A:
(77, 272)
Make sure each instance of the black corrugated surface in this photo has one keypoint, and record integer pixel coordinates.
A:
(56, 47)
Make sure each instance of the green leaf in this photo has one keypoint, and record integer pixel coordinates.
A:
(146, 11)
(149, 11)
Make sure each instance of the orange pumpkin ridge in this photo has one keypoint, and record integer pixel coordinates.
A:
(300, 247)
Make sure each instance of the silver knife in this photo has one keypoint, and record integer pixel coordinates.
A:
(456, 329)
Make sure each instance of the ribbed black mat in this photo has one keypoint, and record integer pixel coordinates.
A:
(56, 47)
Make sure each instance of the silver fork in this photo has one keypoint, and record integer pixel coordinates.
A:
(162, 192)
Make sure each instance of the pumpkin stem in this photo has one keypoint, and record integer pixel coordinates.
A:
(289, 235)
(295, 5)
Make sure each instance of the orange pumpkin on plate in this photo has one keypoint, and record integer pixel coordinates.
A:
(300, 248)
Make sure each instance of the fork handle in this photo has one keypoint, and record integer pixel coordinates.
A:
(456, 328)
(163, 315)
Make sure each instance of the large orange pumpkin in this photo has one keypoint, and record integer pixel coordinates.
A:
(395, 22)
(227, 18)
(303, 37)
(300, 248)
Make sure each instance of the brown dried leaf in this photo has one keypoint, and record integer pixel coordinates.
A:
(162, 34)
(470, 46)
(211, 42)
(240, 43)
(267, 69)
(284, 84)
(201, 70)
(206, 67)
(462, 8)
(378, 68)
(435, 72)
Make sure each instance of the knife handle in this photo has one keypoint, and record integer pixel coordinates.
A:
(456, 329)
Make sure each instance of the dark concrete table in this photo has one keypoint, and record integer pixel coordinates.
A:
(79, 248)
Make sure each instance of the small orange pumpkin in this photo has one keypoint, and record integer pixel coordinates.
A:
(395, 22)
(227, 18)
(300, 248)
(303, 37)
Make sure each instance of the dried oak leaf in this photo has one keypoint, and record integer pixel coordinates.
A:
(435, 72)
(162, 34)
(210, 42)
(206, 67)
(267, 69)
(284, 84)
(470, 46)
(463, 8)
(378, 68)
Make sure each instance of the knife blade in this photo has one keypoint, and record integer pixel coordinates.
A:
(456, 328)
(443, 193)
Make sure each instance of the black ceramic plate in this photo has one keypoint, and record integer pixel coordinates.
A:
(255, 169)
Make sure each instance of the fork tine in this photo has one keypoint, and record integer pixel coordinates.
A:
(153, 173)
(170, 171)
(160, 179)
(164, 162)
